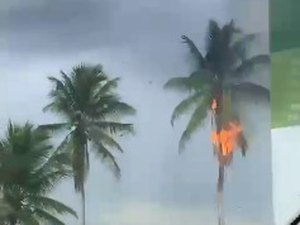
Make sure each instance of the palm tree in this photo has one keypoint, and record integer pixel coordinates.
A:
(29, 170)
(87, 100)
(218, 77)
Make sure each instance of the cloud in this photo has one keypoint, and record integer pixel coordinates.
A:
(244, 10)
(7, 5)
(58, 25)
(73, 25)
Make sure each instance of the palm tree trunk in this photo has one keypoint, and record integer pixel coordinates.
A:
(83, 204)
(220, 188)
(218, 93)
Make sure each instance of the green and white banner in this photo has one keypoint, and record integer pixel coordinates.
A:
(285, 99)
(285, 48)
(285, 88)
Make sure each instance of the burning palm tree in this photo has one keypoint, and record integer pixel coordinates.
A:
(218, 77)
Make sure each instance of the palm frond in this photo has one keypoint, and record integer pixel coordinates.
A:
(49, 107)
(185, 105)
(44, 182)
(108, 87)
(26, 217)
(61, 90)
(249, 65)
(114, 127)
(58, 161)
(68, 83)
(213, 29)
(213, 37)
(62, 147)
(240, 46)
(59, 84)
(228, 32)
(99, 135)
(53, 126)
(179, 84)
(107, 158)
(252, 90)
(115, 109)
(195, 122)
(47, 217)
(51, 205)
(196, 81)
(83, 71)
(63, 100)
(194, 50)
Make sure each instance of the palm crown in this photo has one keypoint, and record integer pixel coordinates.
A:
(29, 170)
(218, 76)
(92, 109)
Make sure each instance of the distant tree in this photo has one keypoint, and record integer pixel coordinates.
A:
(87, 100)
(29, 170)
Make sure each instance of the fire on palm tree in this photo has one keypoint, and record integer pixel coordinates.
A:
(217, 78)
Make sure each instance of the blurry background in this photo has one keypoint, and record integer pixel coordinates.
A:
(140, 42)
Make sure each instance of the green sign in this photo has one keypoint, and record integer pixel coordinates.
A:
(285, 94)
(285, 50)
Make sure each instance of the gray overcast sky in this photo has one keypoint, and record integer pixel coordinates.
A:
(140, 42)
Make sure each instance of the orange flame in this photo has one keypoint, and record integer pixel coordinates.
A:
(226, 139)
